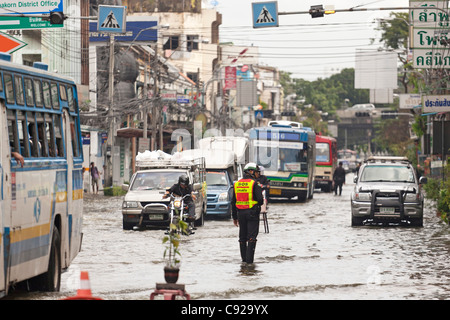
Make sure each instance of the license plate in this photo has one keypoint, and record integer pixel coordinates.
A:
(155, 217)
(387, 210)
(275, 191)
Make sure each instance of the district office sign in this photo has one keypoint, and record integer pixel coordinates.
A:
(436, 104)
(30, 6)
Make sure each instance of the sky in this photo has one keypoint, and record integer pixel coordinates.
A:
(308, 48)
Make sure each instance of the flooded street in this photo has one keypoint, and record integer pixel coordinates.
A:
(311, 252)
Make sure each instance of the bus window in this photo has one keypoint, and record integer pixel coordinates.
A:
(9, 89)
(46, 93)
(71, 99)
(33, 135)
(55, 96)
(23, 134)
(41, 134)
(58, 136)
(63, 92)
(19, 89)
(74, 137)
(50, 135)
(12, 131)
(29, 97)
(38, 93)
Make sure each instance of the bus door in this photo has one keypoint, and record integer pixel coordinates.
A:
(74, 188)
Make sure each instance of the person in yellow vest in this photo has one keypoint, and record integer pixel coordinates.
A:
(246, 207)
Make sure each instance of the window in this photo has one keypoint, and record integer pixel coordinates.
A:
(38, 93)
(42, 137)
(70, 99)
(23, 134)
(192, 42)
(29, 97)
(50, 135)
(54, 94)
(322, 152)
(19, 89)
(33, 135)
(12, 131)
(58, 136)
(9, 89)
(74, 137)
(172, 43)
(46, 94)
(63, 92)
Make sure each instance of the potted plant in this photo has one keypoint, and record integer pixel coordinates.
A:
(172, 253)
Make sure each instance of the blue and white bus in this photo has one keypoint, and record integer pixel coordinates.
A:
(41, 200)
(288, 153)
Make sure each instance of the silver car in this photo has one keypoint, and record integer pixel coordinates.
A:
(387, 190)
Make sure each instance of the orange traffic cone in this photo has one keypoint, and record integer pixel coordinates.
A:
(84, 292)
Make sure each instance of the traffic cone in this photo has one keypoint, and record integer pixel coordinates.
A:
(84, 292)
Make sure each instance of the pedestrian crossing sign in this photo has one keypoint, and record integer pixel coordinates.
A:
(112, 19)
(265, 14)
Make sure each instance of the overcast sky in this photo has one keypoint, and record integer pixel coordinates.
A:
(308, 48)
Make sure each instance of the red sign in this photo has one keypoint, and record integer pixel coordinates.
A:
(230, 78)
(10, 44)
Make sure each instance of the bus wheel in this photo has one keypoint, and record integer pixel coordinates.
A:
(51, 280)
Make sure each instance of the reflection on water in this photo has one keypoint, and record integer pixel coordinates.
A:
(311, 252)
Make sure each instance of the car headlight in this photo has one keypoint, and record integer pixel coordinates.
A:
(363, 196)
(412, 197)
(177, 204)
(223, 196)
(129, 204)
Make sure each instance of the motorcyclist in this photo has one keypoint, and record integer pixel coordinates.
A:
(181, 189)
(246, 206)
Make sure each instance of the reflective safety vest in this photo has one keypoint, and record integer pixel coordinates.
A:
(243, 190)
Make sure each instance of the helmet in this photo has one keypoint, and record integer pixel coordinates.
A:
(183, 179)
(251, 166)
(261, 169)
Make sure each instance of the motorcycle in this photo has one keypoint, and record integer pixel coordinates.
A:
(179, 210)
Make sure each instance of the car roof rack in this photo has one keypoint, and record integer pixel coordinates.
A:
(387, 159)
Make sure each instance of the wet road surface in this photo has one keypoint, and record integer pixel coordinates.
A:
(311, 252)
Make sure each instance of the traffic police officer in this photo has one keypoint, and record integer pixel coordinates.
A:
(246, 206)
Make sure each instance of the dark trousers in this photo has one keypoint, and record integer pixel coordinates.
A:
(248, 225)
(191, 209)
(336, 186)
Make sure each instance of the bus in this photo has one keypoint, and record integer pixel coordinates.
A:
(349, 159)
(326, 162)
(287, 151)
(41, 200)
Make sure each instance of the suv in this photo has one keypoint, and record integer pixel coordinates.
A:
(387, 190)
(143, 205)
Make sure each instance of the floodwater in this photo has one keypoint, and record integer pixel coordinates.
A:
(311, 252)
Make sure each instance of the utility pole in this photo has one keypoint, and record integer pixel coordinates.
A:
(155, 100)
(110, 143)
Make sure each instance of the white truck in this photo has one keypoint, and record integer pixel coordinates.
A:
(143, 205)
(221, 172)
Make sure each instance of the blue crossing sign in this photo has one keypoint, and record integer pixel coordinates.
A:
(265, 14)
(112, 19)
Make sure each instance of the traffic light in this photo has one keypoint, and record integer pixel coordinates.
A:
(57, 17)
(316, 11)
(362, 114)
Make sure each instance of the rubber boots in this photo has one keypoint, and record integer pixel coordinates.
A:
(243, 247)
(250, 251)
